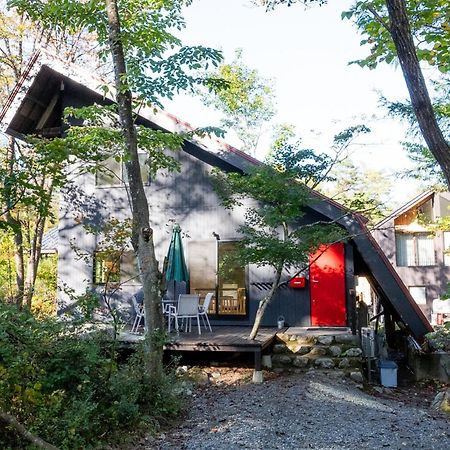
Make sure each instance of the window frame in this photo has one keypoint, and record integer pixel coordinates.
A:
(245, 269)
(122, 177)
(415, 245)
(99, 279)
(424, 294)
(201, 290)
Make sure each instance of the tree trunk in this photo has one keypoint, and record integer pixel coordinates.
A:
(401, 35)
(142, 235)
(16, 226)
(264, 303)
(34, 259)
(35, 440)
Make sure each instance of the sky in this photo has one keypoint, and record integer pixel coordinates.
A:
(307, 54)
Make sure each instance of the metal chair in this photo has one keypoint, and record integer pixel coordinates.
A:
(139, 314)
(203, 309)
(186, 309)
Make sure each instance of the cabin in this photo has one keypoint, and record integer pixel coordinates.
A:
(419, 255)
(324, 295)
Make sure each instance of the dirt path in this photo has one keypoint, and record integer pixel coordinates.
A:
(312, 410)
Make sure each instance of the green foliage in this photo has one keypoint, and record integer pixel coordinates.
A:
(360, 190)
(440, 338)
(44, 298)
(426, 168)
(430, 28)
(26, 174)
(276, 201)
(45, 289)
(62, 387)
(245, 98)
(158, 66)
(7, 266)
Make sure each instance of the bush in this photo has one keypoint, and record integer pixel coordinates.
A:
(440, 338)
(45, 289)
(72, 392)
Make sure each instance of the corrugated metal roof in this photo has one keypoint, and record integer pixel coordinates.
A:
(50, 241)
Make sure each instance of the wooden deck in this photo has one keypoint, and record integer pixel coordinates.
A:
(222, 339)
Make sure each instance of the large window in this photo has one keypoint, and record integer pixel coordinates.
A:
(414, 249)
(115, 268)
(231, 281)
(113, 172)
(205, 258)
(106, 268)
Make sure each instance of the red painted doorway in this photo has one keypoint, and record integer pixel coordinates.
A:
(327, 286)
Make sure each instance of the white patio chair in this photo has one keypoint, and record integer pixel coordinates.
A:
(203, 309)
(187, 309)
(139, 314)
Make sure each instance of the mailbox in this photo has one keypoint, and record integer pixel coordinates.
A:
(297, 282)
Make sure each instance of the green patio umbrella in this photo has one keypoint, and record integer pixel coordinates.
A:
(176, 265)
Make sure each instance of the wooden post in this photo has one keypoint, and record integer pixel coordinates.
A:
(257, 373)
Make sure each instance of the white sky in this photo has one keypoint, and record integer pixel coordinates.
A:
(307, 55)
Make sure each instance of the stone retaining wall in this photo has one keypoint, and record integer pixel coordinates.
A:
(430, 366)
(340, 351)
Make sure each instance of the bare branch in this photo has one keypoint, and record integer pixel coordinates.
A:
(22, 431)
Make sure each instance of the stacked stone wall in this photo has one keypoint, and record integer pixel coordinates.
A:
(340, 351)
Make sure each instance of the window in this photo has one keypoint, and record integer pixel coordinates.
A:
(129, 272)
(115, 268)
(113, 172)
(414, 249)
(446, 247)
(110, 174)
(205, 257)
(106, 268)
(231, 283)
(418, 294)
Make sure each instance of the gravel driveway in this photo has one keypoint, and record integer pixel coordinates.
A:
(311, 410)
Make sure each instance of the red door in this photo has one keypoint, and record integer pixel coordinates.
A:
(327, 281)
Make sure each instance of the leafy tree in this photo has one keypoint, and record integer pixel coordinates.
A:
(149, 61)
(410, 31)
(29, 175)
(426, 168)
(314, 168)
(246, 100)
(413, 31)
(360, 190)
(67, 390)
(273, 233)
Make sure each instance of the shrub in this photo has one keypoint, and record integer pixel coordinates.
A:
(440, 338)
(72, 392)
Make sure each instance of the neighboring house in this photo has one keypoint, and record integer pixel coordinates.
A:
(327, 298)
(418, 255)
(50, 242)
